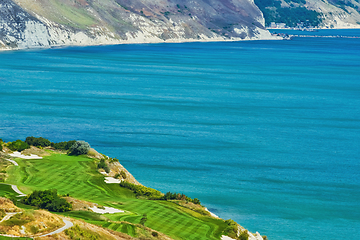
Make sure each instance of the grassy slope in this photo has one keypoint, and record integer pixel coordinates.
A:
(61, 11)
(78, 177)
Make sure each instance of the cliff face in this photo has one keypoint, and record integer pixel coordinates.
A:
(45, 23)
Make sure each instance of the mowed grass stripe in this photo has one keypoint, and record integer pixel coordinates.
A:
(78, 177)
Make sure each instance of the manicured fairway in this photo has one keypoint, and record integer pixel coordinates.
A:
(7, 191)
(78, 177)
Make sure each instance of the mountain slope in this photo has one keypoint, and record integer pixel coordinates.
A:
(44, 23)
(315, 13)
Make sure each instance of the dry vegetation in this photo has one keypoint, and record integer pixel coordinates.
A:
(84, 231)
(79, 205)
(7, 206)
(36, 151)
(30, 223)
(195, 207)
(3, 166)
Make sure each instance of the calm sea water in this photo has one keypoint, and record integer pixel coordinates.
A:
(266, 132)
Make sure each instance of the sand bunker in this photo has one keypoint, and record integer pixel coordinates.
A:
(112, 180)
(106, 210)
(19, 155)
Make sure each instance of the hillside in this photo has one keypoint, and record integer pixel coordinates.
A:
(45, 23)
(311, 13)
(99, 204)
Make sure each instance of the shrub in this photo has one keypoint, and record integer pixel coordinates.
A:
(48, 199)
(1, 147)
(18, 145)
(178, 196)
(244, 235)
(63, 145)
(76, 232)
(111, 160)
(232, 228)
(38, 142)
(34, 229)
(143, 191)
(102, 164)
(155, 234)
(79, 148)
(123, 174)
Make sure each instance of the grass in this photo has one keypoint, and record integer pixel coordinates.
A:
(78, 177)
(7, 191)
(14, 238)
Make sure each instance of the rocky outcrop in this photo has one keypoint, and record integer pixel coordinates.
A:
(43, 23)
(116, 168)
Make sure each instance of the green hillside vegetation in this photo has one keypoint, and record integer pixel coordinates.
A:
(78, 176)
(291, 16)
(17, 145)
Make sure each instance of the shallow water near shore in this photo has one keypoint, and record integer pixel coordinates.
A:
(266, 133)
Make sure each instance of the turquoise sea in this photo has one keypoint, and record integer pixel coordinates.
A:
(263, 132)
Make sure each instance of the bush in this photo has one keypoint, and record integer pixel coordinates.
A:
(178, 196)
(76, 232)
(143, 191)
(38, 142)
(63, 145)
(1, 147)
(154, 234)
(18, 145)
(79, 148)
(244, 235)
(123, 174)
(232, 229)
(111, 160)
(102, 164)
(48, 199)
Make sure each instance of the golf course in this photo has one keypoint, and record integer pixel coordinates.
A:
(79, 178)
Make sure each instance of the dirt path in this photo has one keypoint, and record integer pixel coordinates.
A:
(8, 216)
(68, 224)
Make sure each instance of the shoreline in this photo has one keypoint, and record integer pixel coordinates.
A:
(337, 28)
(128, 42)
(179, 41)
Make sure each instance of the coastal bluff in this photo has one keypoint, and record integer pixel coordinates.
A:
(42, 23)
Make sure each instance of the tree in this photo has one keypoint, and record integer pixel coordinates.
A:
(38, 142)
(48, 199)
(79, 148)
(18, 145)
(63, 145)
